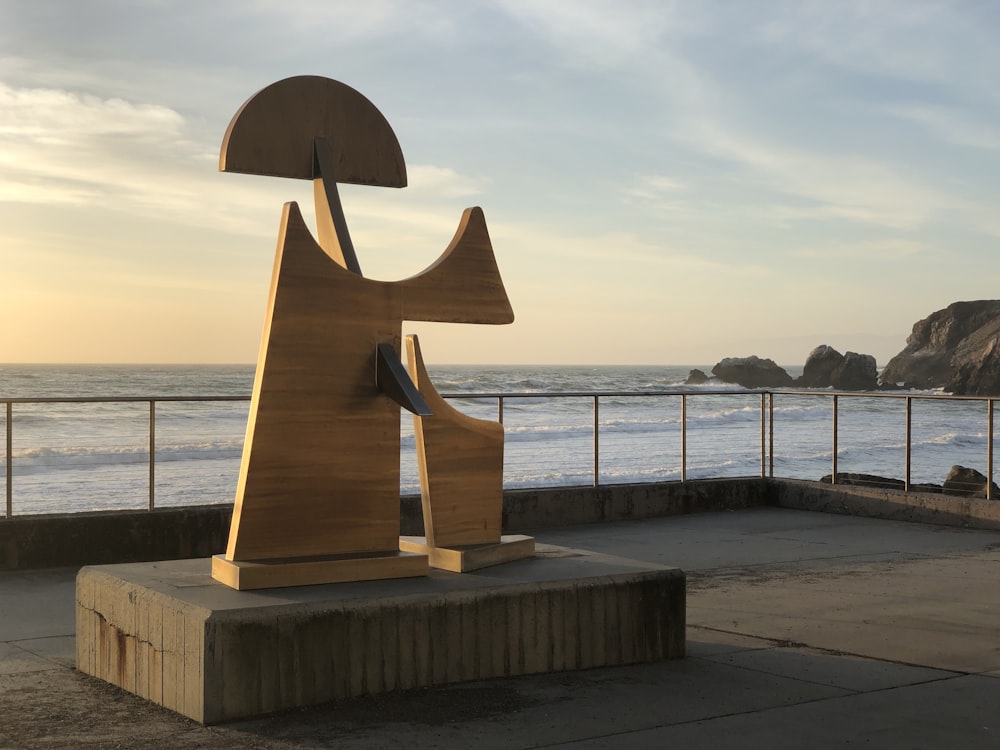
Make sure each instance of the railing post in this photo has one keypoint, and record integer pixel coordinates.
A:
(989, 449)
(833, 474)
(684, 437)
(500, 409)
(152, 452)
(10, 460)
(770, 435)
(597, 461)
(909, 442)
(763, 434)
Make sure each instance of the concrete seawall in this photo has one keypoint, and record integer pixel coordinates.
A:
(200, 531)
(896, 505)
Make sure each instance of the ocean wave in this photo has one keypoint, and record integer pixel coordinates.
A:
(726, 414)
(815, 410)
(640, 425)
(548, 478)
(42, 459)
(947, 439)
(954, 439)
(522, 403)
(545, 432)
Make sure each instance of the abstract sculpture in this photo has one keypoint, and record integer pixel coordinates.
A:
(318, 493)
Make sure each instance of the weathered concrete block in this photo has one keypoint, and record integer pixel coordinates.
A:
(171, 634)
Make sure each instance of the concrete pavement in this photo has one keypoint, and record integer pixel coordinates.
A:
(804, 630)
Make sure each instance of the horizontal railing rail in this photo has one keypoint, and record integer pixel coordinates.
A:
(767, 400)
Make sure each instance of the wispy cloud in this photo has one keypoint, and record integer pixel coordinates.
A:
(870, 251)
(61, 147)
(60, 117)
(950, 125)
(645, 261)
(950, 43)
(443, 181)
(597, 32)
(654, 187)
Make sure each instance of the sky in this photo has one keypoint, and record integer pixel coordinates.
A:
(664, 182)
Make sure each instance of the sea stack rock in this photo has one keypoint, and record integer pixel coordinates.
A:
(752, 372)
(696, 377)
(826, 367)
(856, 372)
(819, 367)
(957, 349)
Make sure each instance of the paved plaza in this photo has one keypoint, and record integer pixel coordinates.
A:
(804, 630)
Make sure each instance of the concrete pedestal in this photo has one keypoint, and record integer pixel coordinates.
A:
(169, 633)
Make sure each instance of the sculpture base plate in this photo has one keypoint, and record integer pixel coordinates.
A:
(473, 556)
(243, 575)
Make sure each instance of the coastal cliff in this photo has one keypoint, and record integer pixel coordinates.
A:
(956, 349)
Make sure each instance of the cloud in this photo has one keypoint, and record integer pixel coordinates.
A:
(654, 187)
(540, 247)
(871, 251)
(753, 143)
(62, 147)
(597, 33)
(854, 188)
(951, 126)
(443, 181)
(914, 40)
(51, 117)
(14, 189)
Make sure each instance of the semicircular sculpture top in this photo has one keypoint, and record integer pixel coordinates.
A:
(274, 131)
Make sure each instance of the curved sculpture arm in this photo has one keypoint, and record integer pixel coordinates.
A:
(464, 284)
(460, 459)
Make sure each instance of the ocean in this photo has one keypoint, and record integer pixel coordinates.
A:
(71, 457)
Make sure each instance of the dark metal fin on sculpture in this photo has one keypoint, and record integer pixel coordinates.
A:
(394, 381)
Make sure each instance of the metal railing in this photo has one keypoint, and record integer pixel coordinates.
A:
(767, 402)
(151, 401)
(909, 399)
(768, 399)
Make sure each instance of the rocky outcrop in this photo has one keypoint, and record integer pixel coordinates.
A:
(957, 349)
(886, 483)
(976, 363)
(752, 372)
(865, 480)
(820, 364)
(961, 481)
(967, 482)
(696, 377)
(857, 372)
(827, 368)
